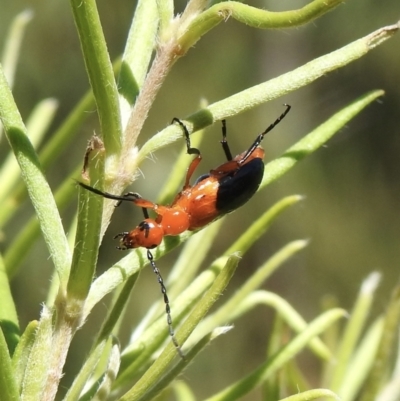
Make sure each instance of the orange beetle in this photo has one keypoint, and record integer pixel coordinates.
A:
(213, 195)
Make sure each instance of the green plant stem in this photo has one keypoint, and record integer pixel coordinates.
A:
(41, 358)
(58, 348)
(194, 7)
(86, 371)
(88, 235)
(100, 72)
(166, 13)
(104, 384)
(12, 45)
(314, 394)
(58, 142)
(353, 330)
(52, 149)
(384, 355)
(137, 54)
(361, 362)
(162, 64)
(22, 352)
(9, 388)
(8, 314)
(37, 124)
(115, 314)
(252, 16)
(19, 249)
(179, 367)
(38, 188)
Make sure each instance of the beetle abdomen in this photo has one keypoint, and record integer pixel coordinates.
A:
(237, 188)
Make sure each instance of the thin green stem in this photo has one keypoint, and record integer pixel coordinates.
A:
(37, 124)
(9, 388)
(18, 250)
(137, 55)
(13, 43)
(38, 188)
(384, 356)
(252, 16)
(88, 235)
(100, 72)
(8, 314)
(353, 330)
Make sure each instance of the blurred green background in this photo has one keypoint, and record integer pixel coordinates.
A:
(351, 186)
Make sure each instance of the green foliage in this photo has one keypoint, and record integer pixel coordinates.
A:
(32, 360)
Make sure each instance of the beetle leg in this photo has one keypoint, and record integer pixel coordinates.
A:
(135, 196)
(224, 142)
(190, 151)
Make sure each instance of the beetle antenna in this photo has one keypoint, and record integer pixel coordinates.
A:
(166, 301)
(260, 137)
(278, 120)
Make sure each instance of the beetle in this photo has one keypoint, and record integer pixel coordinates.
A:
(221, 191)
